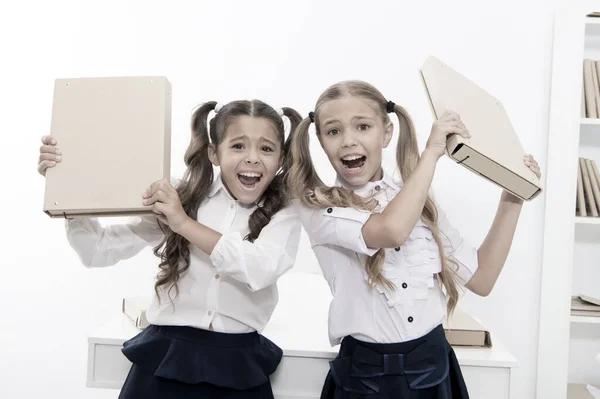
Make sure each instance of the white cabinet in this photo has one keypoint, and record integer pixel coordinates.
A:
(305, 346)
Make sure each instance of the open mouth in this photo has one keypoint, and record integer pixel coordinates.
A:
(353, 163)
(249, 180)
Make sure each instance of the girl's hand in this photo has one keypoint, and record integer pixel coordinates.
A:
(166, 204)
(449, 123)
(50, 155)
(532, 164)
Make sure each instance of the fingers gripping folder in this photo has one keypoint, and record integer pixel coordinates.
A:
(494, 150)
(115, 138)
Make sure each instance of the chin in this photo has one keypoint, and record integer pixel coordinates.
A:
(249, 195)
(354, 179)
(245, 197)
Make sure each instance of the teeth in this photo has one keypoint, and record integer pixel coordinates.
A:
(249, 174)
(352, 157)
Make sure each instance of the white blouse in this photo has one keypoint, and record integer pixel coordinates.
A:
(417, 305)
(234, 289)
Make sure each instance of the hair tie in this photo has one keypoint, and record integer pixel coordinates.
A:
(280, 112)
(311, 115)
(218, 107)
(390, 107)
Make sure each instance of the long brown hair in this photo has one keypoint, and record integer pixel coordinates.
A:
(174, 250)
(305, 184)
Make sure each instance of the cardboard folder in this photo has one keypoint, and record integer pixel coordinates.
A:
(463, 329)
(494, 150)
(135, 308)
(115, 138)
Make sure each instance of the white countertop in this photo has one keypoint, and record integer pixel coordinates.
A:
(305, 335)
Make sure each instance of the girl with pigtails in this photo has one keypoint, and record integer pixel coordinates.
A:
(222, 242)
(393, 261)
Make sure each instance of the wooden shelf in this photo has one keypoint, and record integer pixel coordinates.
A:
(585, 319)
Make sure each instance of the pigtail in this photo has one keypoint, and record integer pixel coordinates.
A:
(301, 179)
(407, 158)
(174, 250)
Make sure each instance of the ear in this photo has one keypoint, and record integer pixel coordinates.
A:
(387, 134)
(213, 154)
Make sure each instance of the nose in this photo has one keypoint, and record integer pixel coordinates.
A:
(348, 140)
(252, 158)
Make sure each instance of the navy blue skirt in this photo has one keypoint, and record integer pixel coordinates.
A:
(424, 368)
(185, 362)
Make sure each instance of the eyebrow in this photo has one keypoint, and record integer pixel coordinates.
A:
(358, 117)
(330, 121)
(269, 141)
(240, 137)
(245, 137)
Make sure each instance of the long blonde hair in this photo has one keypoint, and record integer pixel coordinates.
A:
(305, 184)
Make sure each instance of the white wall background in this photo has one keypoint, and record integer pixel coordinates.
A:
(285, 53)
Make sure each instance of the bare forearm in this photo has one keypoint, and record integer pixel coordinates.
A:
(199, 235)
(393, 226)
(494, 250)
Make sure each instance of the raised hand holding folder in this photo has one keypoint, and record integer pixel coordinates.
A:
(494, 150)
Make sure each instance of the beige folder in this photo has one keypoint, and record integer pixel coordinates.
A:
(115, 138)
(135, 308)
(462, 329)
(494, 150)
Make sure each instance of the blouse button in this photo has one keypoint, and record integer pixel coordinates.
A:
(410, 319)
(209, 312)
(404, 285)
(377, 188)
(217, 276)
(230, 206)
(329, 210)
(397, 249)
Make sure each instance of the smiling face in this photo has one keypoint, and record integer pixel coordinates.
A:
(353, 133)
(249, 155)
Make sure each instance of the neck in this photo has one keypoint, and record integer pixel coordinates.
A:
(378, 175)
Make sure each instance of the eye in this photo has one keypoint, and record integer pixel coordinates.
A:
(267, 149)
(333, 132)
(363, 127)
(238, 146)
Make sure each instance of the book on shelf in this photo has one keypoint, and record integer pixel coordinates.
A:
(581, 307)
(590, 299)
(590, 107)
(588, 188)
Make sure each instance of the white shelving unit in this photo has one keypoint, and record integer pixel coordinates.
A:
(587, 220)
(569, 344)
(585, 320)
